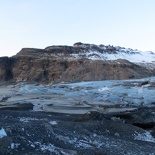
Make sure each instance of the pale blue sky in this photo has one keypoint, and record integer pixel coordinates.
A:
(42, 23)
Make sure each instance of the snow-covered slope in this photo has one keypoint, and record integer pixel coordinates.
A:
(91, 51)
(103, 52)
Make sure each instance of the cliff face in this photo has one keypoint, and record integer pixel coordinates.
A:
(5, 69)
(56, 64)
(47, 70)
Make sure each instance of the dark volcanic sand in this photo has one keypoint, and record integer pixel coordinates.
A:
(93, 133)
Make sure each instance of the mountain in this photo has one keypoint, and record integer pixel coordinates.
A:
(101, 117)
(80, 62)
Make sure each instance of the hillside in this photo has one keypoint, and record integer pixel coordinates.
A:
(80, 62)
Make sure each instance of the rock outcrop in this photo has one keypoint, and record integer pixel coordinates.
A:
(5, 69)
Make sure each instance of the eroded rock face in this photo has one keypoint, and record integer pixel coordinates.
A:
(49, 70)
(5, 69)
(59, 64)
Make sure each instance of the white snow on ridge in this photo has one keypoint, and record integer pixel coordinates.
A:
(147, 57)
(114, 53)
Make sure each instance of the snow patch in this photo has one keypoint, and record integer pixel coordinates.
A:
(145, 137)
(27, 119)
(102, 52)
(103, 89)
(14, 145)
(2, 133)
(51, 148)
(53, 122)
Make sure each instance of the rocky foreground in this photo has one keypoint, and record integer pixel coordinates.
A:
(65, 134)
(106, 117)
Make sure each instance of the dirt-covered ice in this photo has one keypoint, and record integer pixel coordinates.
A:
(104, 117)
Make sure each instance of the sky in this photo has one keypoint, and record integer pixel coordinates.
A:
(42, 23)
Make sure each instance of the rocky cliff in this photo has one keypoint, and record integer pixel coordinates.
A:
(80, 62)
